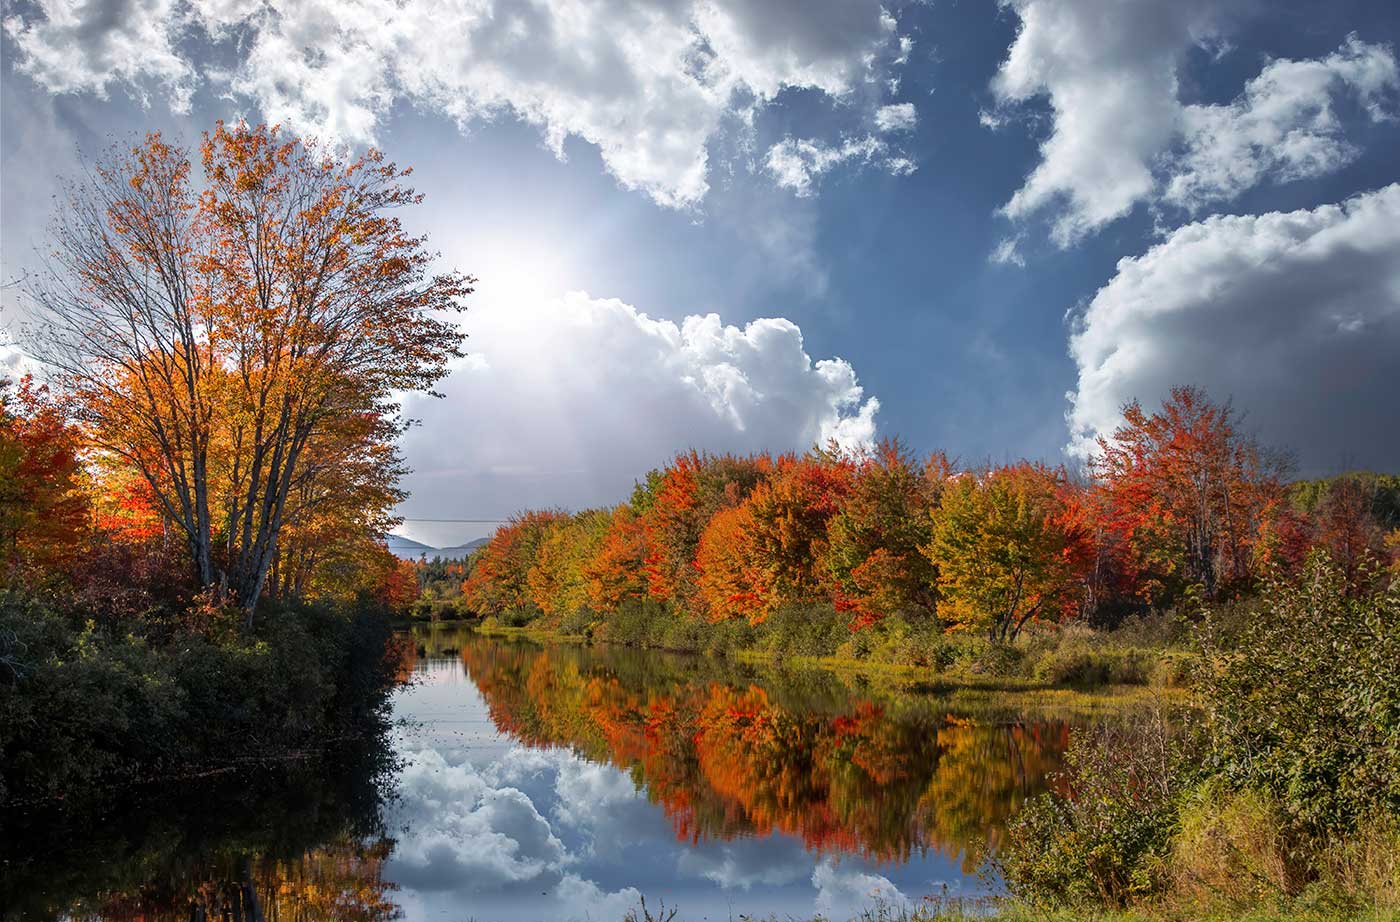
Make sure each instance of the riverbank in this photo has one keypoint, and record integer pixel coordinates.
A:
(1008, 911)
(90, 708)
(1073, 659)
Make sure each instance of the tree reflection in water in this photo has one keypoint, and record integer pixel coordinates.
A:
(730, 751)
(725, 750)
(295, 843)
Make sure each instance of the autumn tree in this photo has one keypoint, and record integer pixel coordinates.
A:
(339, 507)
(236, 320)
(875, 555)
(731, 577)
(499, 582)
(1007, 549)
(772, 548)
(676, 503)
(614, 573)
(1350, 517)
(557, 579)
(1188, 492)
(43, 506)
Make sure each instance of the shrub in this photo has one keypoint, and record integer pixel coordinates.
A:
(995, 660)
(1087, 667)
(1305, 704)
(579, 622)
(802, 630)
(1103, 836)
(1229, 850)
(82, 708)
(901, 642)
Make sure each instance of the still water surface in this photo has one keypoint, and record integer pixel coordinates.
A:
(558, 782)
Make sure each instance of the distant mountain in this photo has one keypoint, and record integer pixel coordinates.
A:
(408, 549)
(460, 550)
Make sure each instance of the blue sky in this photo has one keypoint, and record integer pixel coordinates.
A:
(926, 203)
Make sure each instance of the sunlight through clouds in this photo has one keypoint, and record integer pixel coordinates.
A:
(566, 401)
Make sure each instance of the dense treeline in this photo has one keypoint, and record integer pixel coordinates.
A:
(1178, 506)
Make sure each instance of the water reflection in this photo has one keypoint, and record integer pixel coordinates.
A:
(558, 783)
(293, 842)
(730, 752)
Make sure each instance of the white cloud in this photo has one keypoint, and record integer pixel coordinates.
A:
(1296, 316)
(899, 117)
(14, 363)
(648, 83)
(472, 830)
(1283, 125)
(743, 863)
(568, 401)
(1120, 134)
(842, 893)
(87, 47)
(464, 826)
(1008, 253)
(797, 163)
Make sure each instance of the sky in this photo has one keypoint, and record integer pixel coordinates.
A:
(739, 225)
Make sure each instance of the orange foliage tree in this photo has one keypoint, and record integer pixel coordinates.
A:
(213, 331)
(44, 509)
(876, 539)
(615, 572)
(677, 503)
(499, 582)
(1187, 493)
(773, 547)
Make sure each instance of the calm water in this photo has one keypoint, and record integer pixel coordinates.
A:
(551, 783)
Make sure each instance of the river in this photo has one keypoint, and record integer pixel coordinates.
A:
(555, 782)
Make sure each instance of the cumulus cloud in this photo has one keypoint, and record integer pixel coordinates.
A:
(741, 864)
(1283, 125)
(1120, 134)
(843, 892)
(464, 827)
(797, 163)
(89, 47)
(1295, 316)
(649, 84)
(568, 401)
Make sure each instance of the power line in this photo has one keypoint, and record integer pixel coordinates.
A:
(459, 521)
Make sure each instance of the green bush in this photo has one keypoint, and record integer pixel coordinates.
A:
(898, 641)
(578, 623)
(1084, 667)
(977, 657)
(82, 709)
(1304, 702)
(1103, 837)
(802, 630)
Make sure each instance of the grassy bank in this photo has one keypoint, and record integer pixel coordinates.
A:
(1011, 911)
(1138, 655)
(86, 708)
